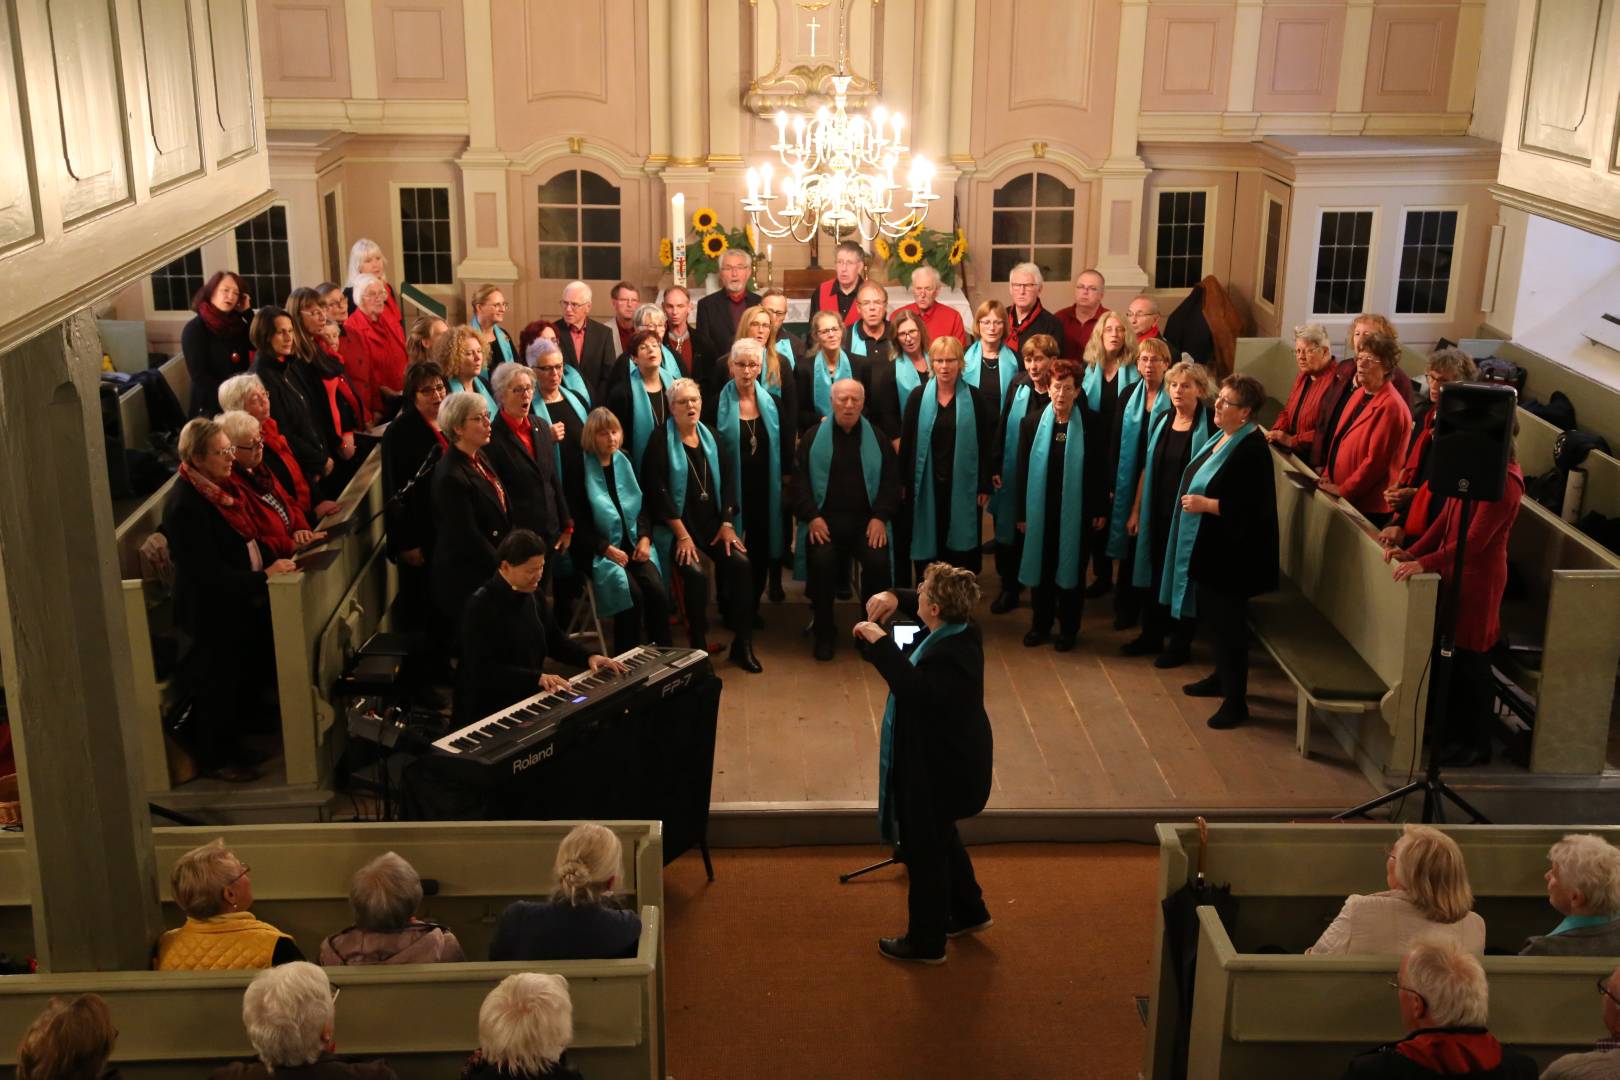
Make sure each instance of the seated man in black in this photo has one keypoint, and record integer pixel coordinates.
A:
(507, 633)
(850, 491)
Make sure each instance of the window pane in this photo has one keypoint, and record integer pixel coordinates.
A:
(1010, 227)
(443, 272)
(557, 224)
(1423, 286)
(558, 261)
(1050, 191)
(600, 226)
(597, 191)
(601, 263)
(1054, 227)
(441, 203)
(560, 190)
(1055, 262)
(1002, 260)
(1018, 191)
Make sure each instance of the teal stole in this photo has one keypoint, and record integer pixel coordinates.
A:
(784, 353)
(480, 387)
(1071, 521)
(821, 389)
(641, 413)
(1203, 430)
(503, 342)
(729, 425)
(573, 380)
(906, 381)
(888, 823)
(669, 369)
(784, 349)
(543, 413)
(1007, 369)
(663, 535)
(1003, 504)
(1174, 591)
(1130, 445)
(962, 530)
(1091, 383)
(821, 466)
(610, 580)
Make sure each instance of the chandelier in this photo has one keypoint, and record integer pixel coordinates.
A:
(839, 176)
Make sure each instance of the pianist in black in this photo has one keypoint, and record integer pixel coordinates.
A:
(508, 633)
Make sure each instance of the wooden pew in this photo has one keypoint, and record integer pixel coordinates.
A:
(1291, 880)
(1269, 1015)
(423, 1018)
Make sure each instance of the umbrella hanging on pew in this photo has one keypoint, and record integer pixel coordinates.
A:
(1181, 940)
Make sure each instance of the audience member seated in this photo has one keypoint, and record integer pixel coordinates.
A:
(410, 448)
(1410, 498)
(1365, 453)
(470, 507)
(289, 1013)
(384, 897)
(524, 1028)
(72, 1039)
(1443, 1000)
(1583, 885)
(374, 346)
(215, 344)
(1367, 324)
(508, 633)
(280, 524)
(613, 530)
(1602, 1062)
(1317, 392)
(220, 571)
(849, 490)
(247, 393)
(582, 920)
(1428, 894)
(273, 362)
(215, 889)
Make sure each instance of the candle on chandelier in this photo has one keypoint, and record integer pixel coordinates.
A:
(781, 128)
(753, 184)
(765, 175)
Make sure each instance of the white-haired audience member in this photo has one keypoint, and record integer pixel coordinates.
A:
(384, 897)
(524, 1028)
(289, 1016)
(581, 921)
(1428, 894)
(1444, 1003)
(1583, 884)
(215, 890)
(1603, 1061)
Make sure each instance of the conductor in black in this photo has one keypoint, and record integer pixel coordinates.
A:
(935, 755)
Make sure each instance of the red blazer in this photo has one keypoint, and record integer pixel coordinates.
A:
(374, 357)
(1421, 509)
(1308, 406)
(825, 301)
(940, 320)
(1485, 563)
(1371, 449)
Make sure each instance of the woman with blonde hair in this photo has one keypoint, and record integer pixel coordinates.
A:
(757, 324)
(1428, 894)
(488, 312)
(72, 1039)
(460, 353)
(582, 920)
(524, 1028)
(1110, 372)
(215, 890)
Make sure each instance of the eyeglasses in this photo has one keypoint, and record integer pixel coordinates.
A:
(228, 451)
(1022, 285)
(240, 874)
(250, 448)
(522, 391)
(437, 389)
(1396, 985)
(573, 303)
(1603, 988)
(336, 990)
(1221, 400)
(548, 367)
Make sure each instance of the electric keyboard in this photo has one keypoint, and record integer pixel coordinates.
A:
(530, 732)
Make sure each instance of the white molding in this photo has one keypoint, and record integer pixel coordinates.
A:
(1207, 257)
(1247, 127)
(1452, 284)
(369, 116)
(1369, 282)
(396, 230)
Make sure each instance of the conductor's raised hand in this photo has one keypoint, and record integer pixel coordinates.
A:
(869, 631)
(882, 606)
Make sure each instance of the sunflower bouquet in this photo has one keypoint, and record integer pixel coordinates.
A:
(944, 251)
(709, 241)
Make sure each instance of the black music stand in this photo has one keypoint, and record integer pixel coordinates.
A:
(894, 859)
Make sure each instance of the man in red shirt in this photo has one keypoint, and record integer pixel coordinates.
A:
(1143, 315)
(1080, 318)
(626, 298)
(849, 271)
(678, 326)
(940, 320)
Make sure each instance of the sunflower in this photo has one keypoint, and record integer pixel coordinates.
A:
(958, 250)
(705, 220)
(666, 252)
(911, 251)
(880, 248)
(714, 245)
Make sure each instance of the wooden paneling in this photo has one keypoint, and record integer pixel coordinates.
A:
(1064, 29)
(304, 48)
(1409, 58)
(171, 90)
(1189, 57)
(19, 218)
(233, 78)
(1560, 116)
(1300, 47)
(569, 49)
(89, 91)
(421, 51)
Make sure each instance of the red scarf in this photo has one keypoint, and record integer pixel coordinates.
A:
(481, 467)
(223, 323)
(521, 429)
(330, 366)
(1016, 330)
(276, 443)
(237, 515)
(272, 530)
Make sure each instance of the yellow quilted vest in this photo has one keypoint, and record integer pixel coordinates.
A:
(232, 940)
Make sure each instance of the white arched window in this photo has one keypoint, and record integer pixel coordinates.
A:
(1032, 220)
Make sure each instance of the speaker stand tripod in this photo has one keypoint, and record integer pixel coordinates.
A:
(1435, 791)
